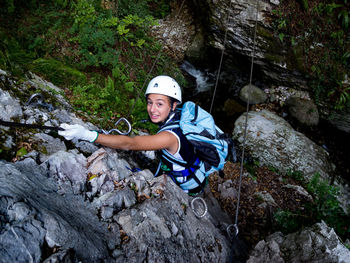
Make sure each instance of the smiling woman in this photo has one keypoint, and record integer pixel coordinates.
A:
(163, 95)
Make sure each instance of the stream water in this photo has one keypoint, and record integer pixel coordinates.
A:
(227, 107)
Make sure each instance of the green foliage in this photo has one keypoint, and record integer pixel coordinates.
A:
(98, 33)
(12, 57)
(138, 7)
(251, 167)
(320, 31)
(58, 73)
(325, 196)
(21, 152)
(296, 175)
(344, 17)
(112, 49)
(325, 206)
(143, 8)
(288, 221)
(305, 4)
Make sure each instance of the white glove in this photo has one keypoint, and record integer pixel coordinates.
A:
(78, 132)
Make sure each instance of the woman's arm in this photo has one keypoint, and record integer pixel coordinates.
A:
(162, 140)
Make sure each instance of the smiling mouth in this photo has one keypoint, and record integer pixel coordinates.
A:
(154, 117)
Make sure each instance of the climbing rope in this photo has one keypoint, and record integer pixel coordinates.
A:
(246, 120)
(157, 58)
(221, 58)
(36, 99)
(29, 126)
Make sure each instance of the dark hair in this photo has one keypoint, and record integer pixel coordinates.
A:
(171, 100)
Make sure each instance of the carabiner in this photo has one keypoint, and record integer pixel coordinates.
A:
(39, 98)
(199, 206)
(116, 125)
(232, 232)
(39, 101)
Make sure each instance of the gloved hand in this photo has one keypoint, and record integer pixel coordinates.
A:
(77, 131)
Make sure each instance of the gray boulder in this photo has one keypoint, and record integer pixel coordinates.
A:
(318, 243)
(304, 111)
(252, 94)
(272, 141)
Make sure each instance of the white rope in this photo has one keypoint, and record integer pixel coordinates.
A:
(221, 58)
(246, 117)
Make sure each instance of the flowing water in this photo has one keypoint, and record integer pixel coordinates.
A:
(227, 106)
(204, 80)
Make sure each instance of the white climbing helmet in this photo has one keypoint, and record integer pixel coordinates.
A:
(164, 85)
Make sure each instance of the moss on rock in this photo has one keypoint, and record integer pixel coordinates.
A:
(58, 73)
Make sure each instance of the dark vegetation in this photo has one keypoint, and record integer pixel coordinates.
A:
(317, 32)
(100, 52)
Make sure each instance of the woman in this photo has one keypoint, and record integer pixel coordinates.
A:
(163, 95)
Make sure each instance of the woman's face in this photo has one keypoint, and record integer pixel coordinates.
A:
(158, 107)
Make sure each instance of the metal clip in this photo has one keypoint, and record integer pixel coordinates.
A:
(201, 205)
(232, 230)
(39, 101)
(116, 125)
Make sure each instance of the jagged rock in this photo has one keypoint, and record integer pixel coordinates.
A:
(33, 213)
(48, 145)
(235, 21)
(340, 120)
(176, 32)
(300, 190)
(174, 233)
(266, 198)
(9, 107)
(43, 217)
(69, 169)
(273, 142)
(318, 243)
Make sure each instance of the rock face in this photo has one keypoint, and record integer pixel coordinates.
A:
(236, 20)
(273, 142)
(318, 243)
(341, 120)
(78, 202)
(162, 228)
(34, 215)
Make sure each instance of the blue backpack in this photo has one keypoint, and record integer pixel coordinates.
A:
(211, 145)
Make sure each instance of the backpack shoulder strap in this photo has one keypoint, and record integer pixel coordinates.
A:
(169, 126)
